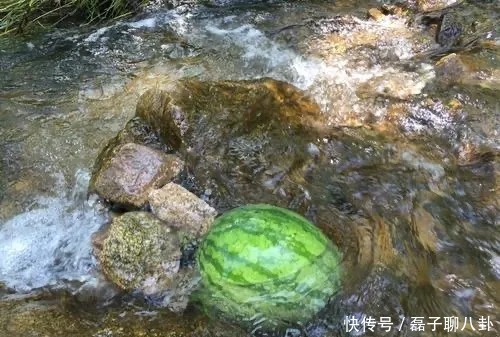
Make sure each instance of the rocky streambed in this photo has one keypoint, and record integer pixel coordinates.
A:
(121, 144)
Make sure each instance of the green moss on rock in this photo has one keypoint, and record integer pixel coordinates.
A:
(140, 253)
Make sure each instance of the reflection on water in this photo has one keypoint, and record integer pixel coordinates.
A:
(410, 189)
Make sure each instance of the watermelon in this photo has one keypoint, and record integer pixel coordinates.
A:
(267, 265)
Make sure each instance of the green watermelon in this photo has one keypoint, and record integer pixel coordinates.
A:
(267, 264)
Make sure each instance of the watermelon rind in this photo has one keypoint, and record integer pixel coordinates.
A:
(266, 263)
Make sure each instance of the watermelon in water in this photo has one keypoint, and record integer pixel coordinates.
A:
(266, 264)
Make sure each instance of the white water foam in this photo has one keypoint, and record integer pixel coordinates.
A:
(245, 51)
(50, 243)
(334, 83)
(145, 23)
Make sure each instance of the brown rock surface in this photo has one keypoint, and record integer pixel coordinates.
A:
(182, 209)
(180, 114)
(127, 173)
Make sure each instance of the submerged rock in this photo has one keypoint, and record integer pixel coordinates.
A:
(182, 209)
(256, 106)
(139, 252)
(434, 5)
(467, 70)
(47, 315)
(138, 132)
(125, 174)
(461, 26)
(451, 69)
(399, 85)
(262, 141)
(236, 136)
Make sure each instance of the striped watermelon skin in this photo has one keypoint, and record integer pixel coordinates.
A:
(265, 263)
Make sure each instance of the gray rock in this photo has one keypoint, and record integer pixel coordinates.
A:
(127, 173)
(182, 209)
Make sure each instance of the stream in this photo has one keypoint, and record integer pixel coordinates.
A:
(420, 187)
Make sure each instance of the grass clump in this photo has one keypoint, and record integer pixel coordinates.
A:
(17, 15)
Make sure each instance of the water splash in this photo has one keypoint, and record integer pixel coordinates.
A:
(51, 242)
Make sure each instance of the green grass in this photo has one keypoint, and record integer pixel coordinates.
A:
(18, 15)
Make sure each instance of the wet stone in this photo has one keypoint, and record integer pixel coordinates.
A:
(138, 132)
(450, 30)
(375, 14)
(434, 5)
(399, 85)
(179, 114)
(128, 172)
(182, 209)
(461, 27)
(230, 132)
(450, 69)
(139, 252)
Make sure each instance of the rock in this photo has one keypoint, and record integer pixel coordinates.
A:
(451, 69)
(180, 115)
(394, 9)
(139, 132)
(463, 26)
(182, 209)
(98, 238)
(265, 142)
(140, 252)
(135, 131)
(52, 316)
(125, 174)
(230, 134)
(176, 298)
(450, 30)
(250, 142)
(434, 5)
(467, 70)
(399, 85)
(375, 14)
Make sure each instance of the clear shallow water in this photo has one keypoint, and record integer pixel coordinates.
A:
(65, 93)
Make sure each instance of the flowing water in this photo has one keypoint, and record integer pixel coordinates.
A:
(419, 186)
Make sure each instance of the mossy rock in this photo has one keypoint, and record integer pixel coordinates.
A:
(141, 253)
(193, 108)
(229, 132)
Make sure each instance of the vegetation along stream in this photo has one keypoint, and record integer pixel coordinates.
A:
(386, 137)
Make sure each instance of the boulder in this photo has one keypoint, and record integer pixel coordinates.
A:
(195, 109)
(376, 14)
(182, 209)
(139, 252)
(125, 174)
(265, 141)
(239, 139)
(139, 132)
